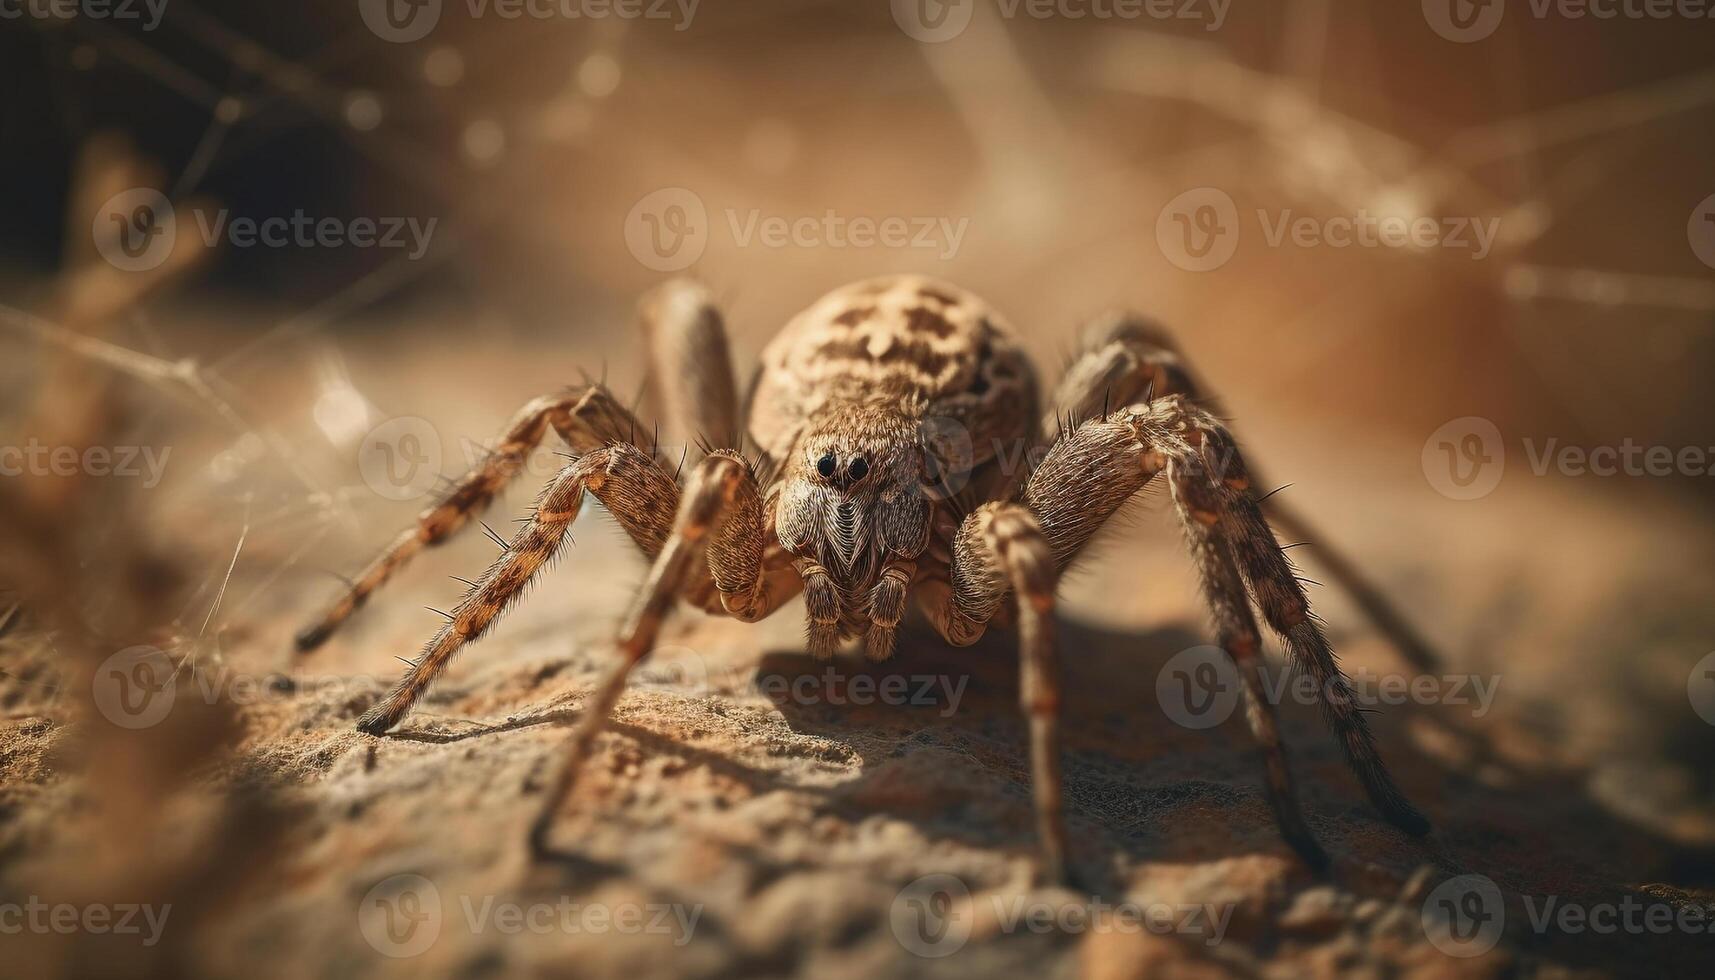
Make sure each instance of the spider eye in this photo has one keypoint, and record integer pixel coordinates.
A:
(858, 468)
(826, 466)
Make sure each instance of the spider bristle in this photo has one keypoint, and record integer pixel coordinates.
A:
(443, 614)
(458, 578)
(492, 536)
(1271, 493)
(349, 583)
(1107, 397)
(1149, 392)
(1309, 581)
(409, 663)
(677, 471)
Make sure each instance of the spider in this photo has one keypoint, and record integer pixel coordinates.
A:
(883, 414)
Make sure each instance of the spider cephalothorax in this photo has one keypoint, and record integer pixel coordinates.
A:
(851, 507)
(894, 419)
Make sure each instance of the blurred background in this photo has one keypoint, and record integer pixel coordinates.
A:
(491, 184)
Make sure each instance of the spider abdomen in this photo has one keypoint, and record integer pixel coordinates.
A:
(929, 348)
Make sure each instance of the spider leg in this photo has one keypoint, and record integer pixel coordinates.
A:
(1000, 549)
(1236, 632)
(1085, 478)
(720, 513)
(1127, 358)
(586, 418)
(690, 364)
(629, 483)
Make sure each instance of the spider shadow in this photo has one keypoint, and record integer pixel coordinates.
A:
(1140, 788)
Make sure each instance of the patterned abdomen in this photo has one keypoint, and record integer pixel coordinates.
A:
(934, 350)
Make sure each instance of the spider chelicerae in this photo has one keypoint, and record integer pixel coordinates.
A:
(881, 416)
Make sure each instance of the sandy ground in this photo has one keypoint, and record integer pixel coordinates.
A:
(750, 814)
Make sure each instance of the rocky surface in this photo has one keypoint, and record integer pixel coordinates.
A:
(755, 813)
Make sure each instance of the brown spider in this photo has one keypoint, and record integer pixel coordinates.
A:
(883, 414)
